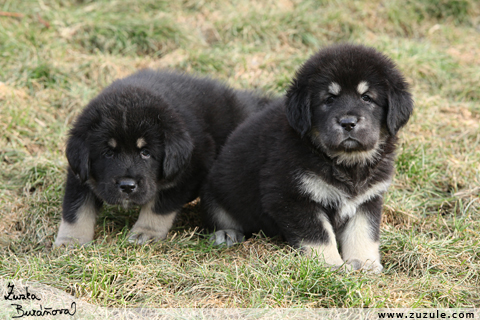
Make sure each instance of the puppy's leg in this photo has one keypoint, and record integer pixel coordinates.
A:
(151, 226)
(359, 239)
(80, 209)
(229, 233)
(326, 249)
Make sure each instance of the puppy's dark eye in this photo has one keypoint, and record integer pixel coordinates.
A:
(366, 98)
(330, 100)
(145, 154)
(109, 154)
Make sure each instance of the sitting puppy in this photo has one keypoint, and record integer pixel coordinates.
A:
(148, 140)
(313, 167)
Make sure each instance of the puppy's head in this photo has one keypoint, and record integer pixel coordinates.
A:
(349, 99)
(127, 144)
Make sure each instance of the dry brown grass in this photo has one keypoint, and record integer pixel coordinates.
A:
(430, 230)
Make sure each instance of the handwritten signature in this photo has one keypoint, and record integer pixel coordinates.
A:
(12, 296)
(41, 312)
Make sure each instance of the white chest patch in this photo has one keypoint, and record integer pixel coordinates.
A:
(330, 196)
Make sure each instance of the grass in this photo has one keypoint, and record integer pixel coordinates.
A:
(57, 55)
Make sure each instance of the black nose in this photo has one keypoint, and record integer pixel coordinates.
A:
(127, 185)
(348, 123)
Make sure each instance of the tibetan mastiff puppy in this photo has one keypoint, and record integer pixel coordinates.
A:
(313, 167)
(147, 140)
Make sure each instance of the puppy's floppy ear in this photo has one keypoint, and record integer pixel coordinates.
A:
(78, 155)
(298, 107)
(178, 152)
(78, 150)
(400, 107)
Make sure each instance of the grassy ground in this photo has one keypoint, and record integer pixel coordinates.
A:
(56, 55)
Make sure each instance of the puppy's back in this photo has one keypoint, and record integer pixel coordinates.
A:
(214, 106)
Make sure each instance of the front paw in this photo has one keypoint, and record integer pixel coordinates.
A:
(141, 235)
(70, 242)
(150, 226)
(342, 268)
(229, 237)
(368, 266)
(74, 234)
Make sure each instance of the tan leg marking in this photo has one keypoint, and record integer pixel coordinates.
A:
(223, 220)
(151, 226)
(328, 251)
(81, 231)
(358, 248)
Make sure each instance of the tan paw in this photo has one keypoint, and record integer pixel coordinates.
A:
(141, 235)
(366, 266)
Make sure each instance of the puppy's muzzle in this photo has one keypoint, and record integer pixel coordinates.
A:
(127, 185)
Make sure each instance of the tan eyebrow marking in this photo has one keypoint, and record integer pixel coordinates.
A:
(141, 143)
(112, 143)
(334, 88)
(362, 87)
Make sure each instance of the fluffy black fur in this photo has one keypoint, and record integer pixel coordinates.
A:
(313, 167)
(149, 140)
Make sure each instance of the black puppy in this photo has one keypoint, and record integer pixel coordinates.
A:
(313, 168)
(148, 140)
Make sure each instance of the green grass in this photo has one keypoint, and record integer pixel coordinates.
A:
(60, 54)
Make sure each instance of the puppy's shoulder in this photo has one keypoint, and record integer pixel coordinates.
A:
(262, 123)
